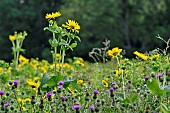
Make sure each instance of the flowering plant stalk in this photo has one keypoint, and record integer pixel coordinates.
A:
(63, 37)
(17, 41)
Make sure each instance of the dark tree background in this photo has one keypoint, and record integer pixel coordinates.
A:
(129, 24)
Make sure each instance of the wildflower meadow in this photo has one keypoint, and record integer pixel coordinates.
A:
(112, 84)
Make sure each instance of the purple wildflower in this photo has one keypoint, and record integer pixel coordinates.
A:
(61, 83)
(146, 78)
(111, 90)
(113, 84)
(77, 106)
(96, 92)
(48, 95)
(2, 92)
(16, 82)
(159, 75)
(6, 105)
(63, 98)
(91, 107)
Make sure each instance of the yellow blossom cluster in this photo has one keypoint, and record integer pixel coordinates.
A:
(72, 25)
(115, 51)
(53, 15)
(141, 55)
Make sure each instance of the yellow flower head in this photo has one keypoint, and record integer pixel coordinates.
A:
(23, 60)
(33, 84)
(58, 56)
(114, 52)
(53, 15)
(155, 56)
(141, 55)
(79, 81)
(72, 25)
(70, 91)
(1, 69)
(12, 38)
(105, 83)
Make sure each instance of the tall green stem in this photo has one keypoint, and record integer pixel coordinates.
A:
(54, 55)
(63, 54)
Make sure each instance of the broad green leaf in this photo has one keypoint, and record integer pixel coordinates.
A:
(78, 38)
(167, 89)
(153, 85)
(126, 101)
(133, 97)
(74, 85)
(44, 79)
(54, 80)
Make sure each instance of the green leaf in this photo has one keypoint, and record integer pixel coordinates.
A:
(133, 97)
(54, 80)
(167, 89)
(63, 42)
(78, 38)
(74, 85)
(126, 101)
(73, 45)
(44, 79)
(153, 85)
(67, 81)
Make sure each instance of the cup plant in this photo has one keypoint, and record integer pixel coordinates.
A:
(64, 38)
(17, 42)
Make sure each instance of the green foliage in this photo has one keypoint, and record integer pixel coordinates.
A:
(153, 85)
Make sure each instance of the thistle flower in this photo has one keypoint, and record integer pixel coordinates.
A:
(159, 75)
(63, 98)
(48, 95)
(2, 92)
(91, 108)
(111, 90)
(61, 83)
(6, 105)
(16, 82)
(146, 78)
(113, 84)
(95, 92)
(77, 106)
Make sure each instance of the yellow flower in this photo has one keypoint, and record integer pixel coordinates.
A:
(79, 81)
(105, 83)
(114, 52)
(24, 109)
(58, 57)
(70, 91)
(117, 72)
(53, 15)
(33, 84)
(72, 25)
(12, 38)
(141, 55)
(23, 60)
(19, 99)
(20, 36)
(155, 56)
(1, 69)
